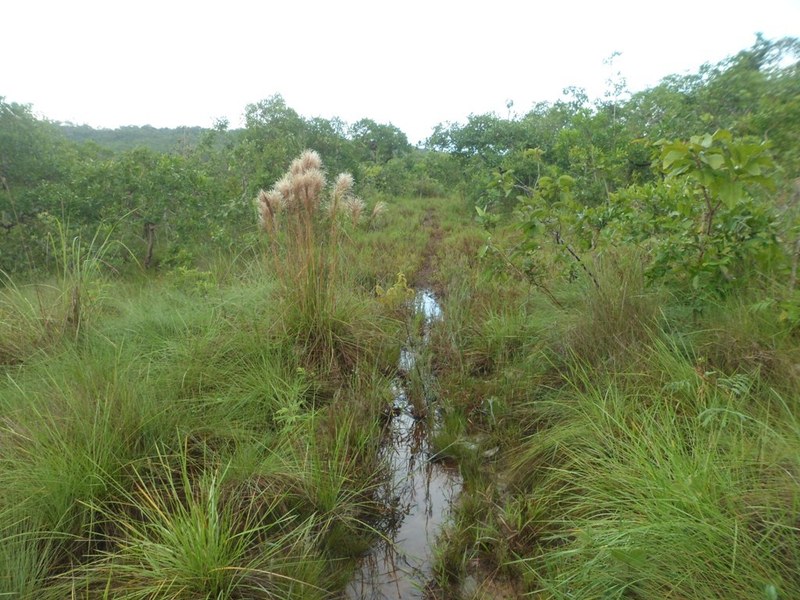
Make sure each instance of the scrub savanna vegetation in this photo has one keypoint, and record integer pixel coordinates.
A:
(200, 331)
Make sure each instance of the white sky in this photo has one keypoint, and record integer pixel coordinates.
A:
(413, 63)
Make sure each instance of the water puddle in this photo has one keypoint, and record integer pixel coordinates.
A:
(419, 491)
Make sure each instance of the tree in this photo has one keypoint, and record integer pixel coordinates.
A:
(378, 143)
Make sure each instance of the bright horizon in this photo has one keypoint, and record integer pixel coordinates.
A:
(415, 64)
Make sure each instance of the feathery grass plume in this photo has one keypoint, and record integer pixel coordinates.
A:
(269, 205)
(307, 161)
(354, 207)
(343, 186)
(263, 210)
(342, 189)
(283, 187)
(307, 187)
(330, 209)
(305, 250)
(377, 211)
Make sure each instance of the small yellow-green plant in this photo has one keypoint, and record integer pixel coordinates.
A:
(193, 280)
(397, 295)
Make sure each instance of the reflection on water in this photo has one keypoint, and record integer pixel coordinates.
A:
(419, 491)
(426, 304)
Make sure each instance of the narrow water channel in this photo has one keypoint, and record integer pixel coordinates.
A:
(420, 490)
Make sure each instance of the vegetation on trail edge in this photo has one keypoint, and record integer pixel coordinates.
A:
(198, 342)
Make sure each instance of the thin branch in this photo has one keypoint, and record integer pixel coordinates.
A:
(560, 241)
(545, 290)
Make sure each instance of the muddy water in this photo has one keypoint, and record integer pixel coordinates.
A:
(419, 492)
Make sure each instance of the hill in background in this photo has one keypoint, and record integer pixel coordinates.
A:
(135, 136)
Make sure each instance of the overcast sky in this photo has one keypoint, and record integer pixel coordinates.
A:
(414, 63)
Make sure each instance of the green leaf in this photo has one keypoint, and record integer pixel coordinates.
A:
(753, 169)
(715, 161)
(671, 157)
(722, 135)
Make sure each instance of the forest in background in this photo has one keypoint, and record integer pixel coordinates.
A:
(200, 331)
(197, 185)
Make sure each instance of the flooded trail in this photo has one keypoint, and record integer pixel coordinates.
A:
(420, 491)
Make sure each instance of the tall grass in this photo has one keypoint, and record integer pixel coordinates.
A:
(37, 316)
(178, 449)
(302, 219)
(26, 556)
(178, 534)
(24, 328)
(687, 490)
(615, 315)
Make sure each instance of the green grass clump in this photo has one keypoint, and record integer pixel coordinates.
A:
(23, 329)
(181, 535)
(685, 490)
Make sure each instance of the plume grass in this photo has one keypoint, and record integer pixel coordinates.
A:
(304, 246)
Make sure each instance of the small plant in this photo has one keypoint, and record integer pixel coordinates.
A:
(193, 280)
(396, 296)
(179, 535)
(34, 316)
(80, 266)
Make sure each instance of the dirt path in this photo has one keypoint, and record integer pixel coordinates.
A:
(401, 565)
(424, 278)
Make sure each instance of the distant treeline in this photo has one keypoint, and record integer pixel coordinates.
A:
(158, 139)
